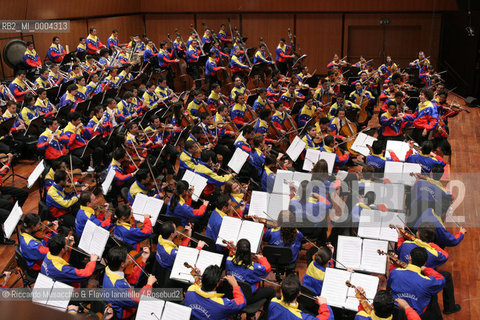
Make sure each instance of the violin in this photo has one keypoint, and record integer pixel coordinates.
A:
(135, 259)
(403, 232)
(44, 230)
(195, 272)
(361, 297)
(233, 249)
(393, 258)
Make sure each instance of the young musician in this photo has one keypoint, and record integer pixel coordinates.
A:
(287, 307)
(180, 204)
(72, 138)
(150, 98)
(49, 141)
(377, 159)
(237, 112)
(82, 45)
(261, 101)
(307, 112)
(56, 267)
(164, 93)
(393, 122)
(30, 57)
(238, 88)
(112, 41)
(128, 233)
(216, 218)
(283, 52)
(114, 279)
(426, 116)
(341, 103)
(42, 80)
(236, 65)
(269, 173)
(195, 104)
(426, 158)
(311, 133)
(92, 42)
(56, 52)
(42, 104)
(315, 274)
(29, 111)
(329, 147)
(18, 87)
(69, 98)
(88, 204)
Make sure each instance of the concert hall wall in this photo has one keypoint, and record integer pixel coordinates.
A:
(322, 28)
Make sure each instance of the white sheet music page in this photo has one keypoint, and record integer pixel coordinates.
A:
(348, 252)
(253, 232)
(138, 205)
(400, 149)
(394, 171)
(197, 181)
(282, 180)
(179, 271)
(41, 289)
(12, 221)
(148, 305)
(175, 311)
(277, 203)
(152, 208)
(229, 230)
(207, 258)
(371, 260)
(33, 177)
(295, 149)
(108, 181)
(334, 288)
(87, 236)
(408, 168)
(395, 218)
(259, 204)
(299, 176)
(367, 282)
(393, 196)
(61, 300)
(311, 158)
(330, 158)
(99, 241)
(369, 224)
(238, 160)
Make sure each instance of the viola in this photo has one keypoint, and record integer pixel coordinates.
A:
(394, 259)
(195, 272)
(361, 297)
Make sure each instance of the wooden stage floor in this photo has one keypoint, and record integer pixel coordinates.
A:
(464, 259)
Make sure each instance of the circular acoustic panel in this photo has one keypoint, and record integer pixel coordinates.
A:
(13, 53)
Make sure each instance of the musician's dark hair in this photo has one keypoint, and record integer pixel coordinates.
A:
(330, 72)
(180, 188)
(323, 81)
(428, 93)
(104, 51)
(443, 93)
(270, 159)
(320, 170)
(383, 304)
(91, 29)
(81, 38)
(85, 198)
(29, 43)
(264, 113)
(72, 87)
(377, 146)
(243, 256)
(419, 256)
(28, 98)
(154, 117)
(118, 154)
(56, 244)
(141, 175)
(309, 127)
(130, 125)
(282, 39)
(127, 95)
(257, 141)
(392, 103)
(369, 64)
(262, 90)
(237, 97)
(221, 107)
(48, 121)
(288, 232)
(30, 220)
(108, 101)
(290, 288)
(367, 172)
(166, 229)
(20, 72)
(278, 104)
(303, 191)
(341, 109)
(75, 66)
(427, 147)
(341, 95)
(437, 171)
(210, 277)
(291, 85)
(215, 85)
(399, 94)
(323, 256)
(114, 31)
(196, 130)
(115, 257)
(55, 38)
(197, 92)
(426, 231)
(41, 90)
(369, 198)
(149, 85)
(122, 211)
(328, 140)
(59, 175)
(396, 76)
(57, 163)
(324, 120)
(177, 110)
(248, 129)
(206, 155)
(274, 79)
(73, 116)
(189, 144)
(222, 201)
(203, 115)
(161, 79)
(211, 54)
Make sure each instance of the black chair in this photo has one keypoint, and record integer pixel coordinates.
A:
(124, 194)
(211, 246)
(307, 304)
(249, 309)
(279, 258)
(28, 276)
(43, 211)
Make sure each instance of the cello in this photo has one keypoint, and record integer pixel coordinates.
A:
(362, 115)
(182, 80)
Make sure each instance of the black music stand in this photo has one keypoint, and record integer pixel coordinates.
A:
(52, 93)
(147, 115)
(5, 126)
(91, 144)
(82, 107)
(35, 126)
(211, 246)
(63, 112)
(251, 99)
(313, 81)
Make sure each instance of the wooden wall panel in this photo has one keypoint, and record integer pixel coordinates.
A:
(214, 20)
(427, 39)
(57, 9)
(254, 26)
(319, 36)
(301, 6)
(158, 25)
(127, 26)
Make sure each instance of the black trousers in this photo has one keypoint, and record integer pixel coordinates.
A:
(18, 194)
(282, 67)
(261, 293)
(433, 310)
(448, 292)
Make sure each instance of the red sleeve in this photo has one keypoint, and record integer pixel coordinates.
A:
(394, 156)
(185, 242)
(100, 44)
(147, 226)
(238, 295)
(278, 125)
(19, 93)
(43, 249)
(344, 157)
(106, 222)
(136, 273)
(91, 47)
(436, 247)
(323, 312)
(135, 296)
(411, 314)
(429, 272)
(264, 262)
(400, 241)
(200, 211)
(408, 154)
(87, 271)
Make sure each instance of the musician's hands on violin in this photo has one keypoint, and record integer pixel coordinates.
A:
(55, 225)
(360, 290)
(463, 230)
(145, 254)
(84, 188)
(151, 280)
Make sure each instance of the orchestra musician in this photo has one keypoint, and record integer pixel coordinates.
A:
(93, 44)
(56, 52)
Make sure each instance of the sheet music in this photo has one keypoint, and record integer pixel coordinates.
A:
(277, 203)
(279, 186)
(139, 204)
(330, 158)
(334, 288)
(33, 177)
(369, 224)
(311, 158)
(299, 176)
(253, 232)
(348, 252)
(147, 305)
(295, 149)
(175, 311)
(361, 142)
(371, 260)
(108, 181)
(409, 168)
(144, 204)
(60, 303)
(39, 291)
(259, 204)
(341, 174)
(238, 160)
(393, 196)
(179, 271)
(229, 230)
(400, 149)
(207, 258)
(94, 239)
(367, 282)
(394, 171)
(197, 182)
(12, 221)
(395, 218)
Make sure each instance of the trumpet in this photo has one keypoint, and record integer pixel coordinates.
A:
(65, 75)
(9, 93)
(30, 86)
